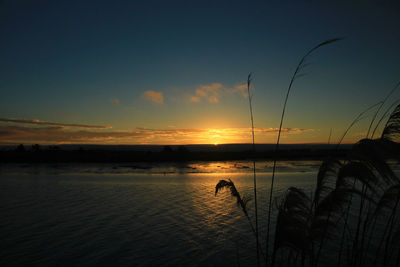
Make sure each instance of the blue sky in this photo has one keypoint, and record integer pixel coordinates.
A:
(176, 69)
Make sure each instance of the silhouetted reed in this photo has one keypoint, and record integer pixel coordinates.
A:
(379, 109)
(357, 119)
(365, 175)
(355, 201)
(241, 202)
(296, 74)
(254, 166)
(384, 116)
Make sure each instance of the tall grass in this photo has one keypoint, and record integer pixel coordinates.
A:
(254, 166)
(367, 176)
(296, 73)
(241, 202)
(356, 120)
(353, 198)
(380, 107)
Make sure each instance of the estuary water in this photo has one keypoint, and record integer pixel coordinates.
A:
(136, 214)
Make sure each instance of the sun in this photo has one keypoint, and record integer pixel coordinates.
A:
(215, 143)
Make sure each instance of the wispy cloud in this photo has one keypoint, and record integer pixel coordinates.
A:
(213, 92)
(39, 122)
(284, 130)
(195, 99)
(153, 96)
(209, 89)
(240, 88)
(60, 134)
(210, 92)
(115, 101)
(200, 92)
(213, 99)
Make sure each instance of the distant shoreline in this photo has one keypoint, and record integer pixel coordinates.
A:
(168, 154)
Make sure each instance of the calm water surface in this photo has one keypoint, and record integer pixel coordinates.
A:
(134, 215)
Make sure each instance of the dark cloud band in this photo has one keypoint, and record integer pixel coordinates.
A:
(59, 134)
(38, 122)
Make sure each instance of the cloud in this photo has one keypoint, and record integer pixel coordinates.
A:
(213, 99)
(38, 122)
(55, 135)
(59, 135)
(214, 91)
(201, 92)
(241, 88)
(115, 101)
(284, 130)
(62, 135)
(211, 88)
(210, 92)
(194, 99)
(153, 96)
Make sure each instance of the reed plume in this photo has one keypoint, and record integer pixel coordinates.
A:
(305, 224)
(240, 201)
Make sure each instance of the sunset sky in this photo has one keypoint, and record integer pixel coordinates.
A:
(174, 72)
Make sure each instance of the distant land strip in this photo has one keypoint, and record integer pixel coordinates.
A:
(99, 154)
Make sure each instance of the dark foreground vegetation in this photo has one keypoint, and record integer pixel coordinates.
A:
(163, 154)
(352, 216)
(351, 219)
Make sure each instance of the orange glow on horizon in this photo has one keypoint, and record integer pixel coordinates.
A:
(168, 136)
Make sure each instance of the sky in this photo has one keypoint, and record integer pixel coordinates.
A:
(175, 72)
